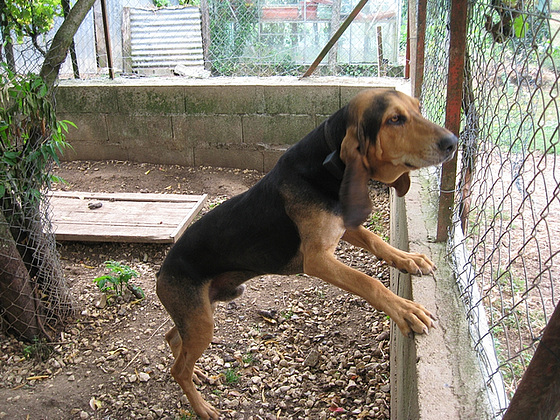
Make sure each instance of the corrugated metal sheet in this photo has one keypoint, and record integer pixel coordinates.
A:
(164, 38)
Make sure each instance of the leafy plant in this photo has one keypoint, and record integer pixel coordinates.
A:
(31, 137)
(30, 18)
(38, 350)
(118, 280)
(161, 3)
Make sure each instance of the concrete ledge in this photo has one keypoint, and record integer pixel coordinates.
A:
(433, 376)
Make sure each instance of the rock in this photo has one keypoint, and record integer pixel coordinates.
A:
(193, 72)
(143, 377)
(101, 301)
(312, 358)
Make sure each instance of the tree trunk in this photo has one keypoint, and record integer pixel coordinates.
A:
(6, 37)
(62, 41)
(20, 306)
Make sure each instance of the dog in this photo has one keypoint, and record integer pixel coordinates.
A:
(292, 220)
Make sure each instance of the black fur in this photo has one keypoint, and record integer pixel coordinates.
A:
(251, 234)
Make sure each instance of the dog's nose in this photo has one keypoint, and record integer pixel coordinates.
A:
(448, 144)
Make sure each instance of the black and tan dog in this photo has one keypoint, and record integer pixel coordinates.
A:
(292, 220)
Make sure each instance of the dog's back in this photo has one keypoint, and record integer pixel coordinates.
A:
(252, 232)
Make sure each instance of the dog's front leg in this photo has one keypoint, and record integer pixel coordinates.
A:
(408, 262)
(409, 316)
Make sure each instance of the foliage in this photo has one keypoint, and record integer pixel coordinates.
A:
(30, 18)
(118, 280)
(162, 3)
(38, 350)
(230, 31)
(30, 136)
(167, 3)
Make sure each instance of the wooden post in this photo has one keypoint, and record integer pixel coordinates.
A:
(417, 10)
(455, 76)
(107, 39)
(126, 41)
(380, 64)
(205, 28)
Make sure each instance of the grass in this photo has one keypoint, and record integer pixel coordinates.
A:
(231, 376)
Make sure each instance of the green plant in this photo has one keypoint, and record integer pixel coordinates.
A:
(231, 376)
(288, 314)
(161, 3)
(38, 350)
(249, 359)
(31, 138)
(30, 18)
(118, 280)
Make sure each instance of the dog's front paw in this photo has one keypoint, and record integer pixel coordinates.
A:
(413, 263)
(411, 317)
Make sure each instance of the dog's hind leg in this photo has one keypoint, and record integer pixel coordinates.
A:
(175, 343)
(192, 334)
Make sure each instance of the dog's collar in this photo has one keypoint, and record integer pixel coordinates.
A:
(332, 162)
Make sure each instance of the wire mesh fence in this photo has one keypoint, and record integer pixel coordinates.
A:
(33, 289)
(228, 38)
(505, 241)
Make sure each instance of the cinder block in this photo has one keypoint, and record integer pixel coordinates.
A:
(84, 99)
(348, 92)
(88, 126)
(94, 150)
(162, 155)
(301, 99)
(277, 129)
(224, 99)
(227, 157)
(271, 156)
(150, 100)
(207, 129)
(149, 130)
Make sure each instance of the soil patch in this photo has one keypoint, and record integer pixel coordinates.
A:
(292, 347)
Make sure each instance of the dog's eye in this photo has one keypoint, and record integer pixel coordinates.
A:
(397, 120)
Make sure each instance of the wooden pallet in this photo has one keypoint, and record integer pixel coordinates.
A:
(122, 217)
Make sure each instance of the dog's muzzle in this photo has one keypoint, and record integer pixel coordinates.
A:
(447, 146)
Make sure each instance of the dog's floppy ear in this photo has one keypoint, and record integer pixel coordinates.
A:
(402, 184)
(354, 194)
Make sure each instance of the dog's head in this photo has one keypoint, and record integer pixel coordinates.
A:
(386, 137)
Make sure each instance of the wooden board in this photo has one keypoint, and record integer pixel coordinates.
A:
(123, 217)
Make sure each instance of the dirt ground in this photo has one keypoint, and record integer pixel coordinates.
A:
(291, 347)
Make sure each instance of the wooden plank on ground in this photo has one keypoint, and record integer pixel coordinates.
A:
(122, 217)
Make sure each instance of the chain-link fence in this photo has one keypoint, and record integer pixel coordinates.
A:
(33, 290)
(229, 38)
(34, 295)
(505, 240)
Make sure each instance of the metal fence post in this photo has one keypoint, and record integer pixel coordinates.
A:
(455, 76)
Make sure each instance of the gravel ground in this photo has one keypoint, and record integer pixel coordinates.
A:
(292, 347)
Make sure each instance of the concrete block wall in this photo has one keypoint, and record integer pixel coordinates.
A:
(246, 123)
